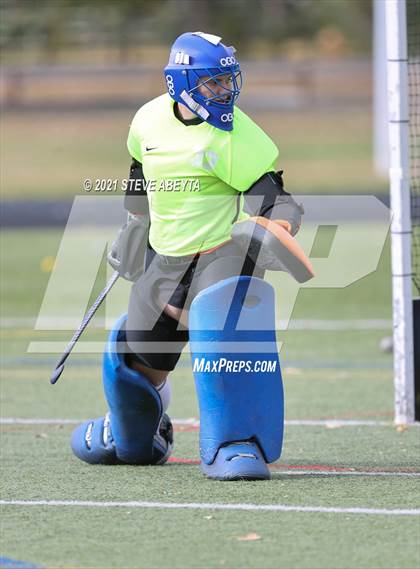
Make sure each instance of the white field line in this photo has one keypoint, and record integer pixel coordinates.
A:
(215, 506)
(294, 324)
(87, 347)
(192, 422)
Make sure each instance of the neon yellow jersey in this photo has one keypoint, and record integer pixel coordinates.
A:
(194, 175)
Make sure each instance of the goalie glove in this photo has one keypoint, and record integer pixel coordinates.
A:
(267, 237)
(127, 254)
(271, 247)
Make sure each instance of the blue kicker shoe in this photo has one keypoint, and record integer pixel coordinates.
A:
(238, 461)
(92, 441)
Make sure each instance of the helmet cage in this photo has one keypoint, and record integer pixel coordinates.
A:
(194, 82)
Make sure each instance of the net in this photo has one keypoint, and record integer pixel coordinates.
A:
(413, 40)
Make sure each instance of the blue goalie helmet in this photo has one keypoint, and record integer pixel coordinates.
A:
(202, 74)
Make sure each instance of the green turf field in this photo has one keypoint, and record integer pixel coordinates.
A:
(343, 494)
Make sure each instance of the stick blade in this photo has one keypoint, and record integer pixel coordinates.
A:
(56, 374)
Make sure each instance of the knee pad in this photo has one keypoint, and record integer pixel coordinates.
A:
(237, 370)
(137, 431)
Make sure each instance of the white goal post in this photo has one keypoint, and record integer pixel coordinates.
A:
(399, 174)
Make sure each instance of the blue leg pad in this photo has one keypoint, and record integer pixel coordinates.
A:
(237, 374)
(134, 404)
(136, 431)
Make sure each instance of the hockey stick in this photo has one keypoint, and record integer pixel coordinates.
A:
(58, 370)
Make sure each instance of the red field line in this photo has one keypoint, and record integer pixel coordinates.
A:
(311, 467)
(185, 428)
(314, 467)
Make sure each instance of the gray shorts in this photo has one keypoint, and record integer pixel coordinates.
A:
(154, 338)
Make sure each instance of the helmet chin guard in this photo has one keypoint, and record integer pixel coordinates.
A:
(201, 62)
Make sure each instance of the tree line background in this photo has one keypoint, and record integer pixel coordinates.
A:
(45, 31)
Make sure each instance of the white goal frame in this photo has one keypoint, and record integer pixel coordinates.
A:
(399, 176)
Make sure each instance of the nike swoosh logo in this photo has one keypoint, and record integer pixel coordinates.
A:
(151, 148)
